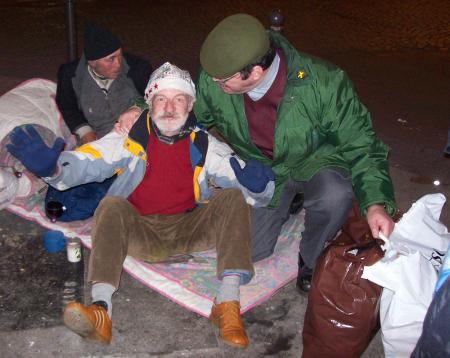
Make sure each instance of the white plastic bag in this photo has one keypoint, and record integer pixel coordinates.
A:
(420, 230)
(408, 274)
(408, 284)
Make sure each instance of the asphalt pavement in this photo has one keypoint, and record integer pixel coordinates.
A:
(396, 52)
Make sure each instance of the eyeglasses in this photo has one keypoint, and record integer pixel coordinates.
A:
(222, 81)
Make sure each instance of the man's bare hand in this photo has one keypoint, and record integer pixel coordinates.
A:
(126, 120)
(379, 220)
(88, 137)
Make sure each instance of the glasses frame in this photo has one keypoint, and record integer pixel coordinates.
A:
(223, 81)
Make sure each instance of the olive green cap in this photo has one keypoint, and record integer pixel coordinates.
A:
(234, 43)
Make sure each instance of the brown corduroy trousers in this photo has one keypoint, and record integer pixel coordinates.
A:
(119, 230)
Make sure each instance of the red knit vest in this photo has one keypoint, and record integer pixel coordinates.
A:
(167, 186)
(262, 114)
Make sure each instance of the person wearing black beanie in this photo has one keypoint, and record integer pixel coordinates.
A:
(95, 89)
(99, 42)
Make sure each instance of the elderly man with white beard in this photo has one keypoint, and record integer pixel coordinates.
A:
(161, 204)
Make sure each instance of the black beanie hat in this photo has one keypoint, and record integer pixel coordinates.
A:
(98, 42)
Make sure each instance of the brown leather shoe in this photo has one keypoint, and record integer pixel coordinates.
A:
(91, 322)
(227, 317)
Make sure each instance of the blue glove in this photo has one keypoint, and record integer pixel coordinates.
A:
(254, 176)
(30, 149)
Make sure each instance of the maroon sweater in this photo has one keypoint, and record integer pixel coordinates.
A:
(262, 114)
(167, 186)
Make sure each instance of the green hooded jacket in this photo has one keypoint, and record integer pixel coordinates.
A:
(320, 123)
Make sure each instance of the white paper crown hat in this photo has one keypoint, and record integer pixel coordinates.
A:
(169, 76)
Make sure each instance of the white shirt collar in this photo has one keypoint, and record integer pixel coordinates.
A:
(103, 82)
(259, 91)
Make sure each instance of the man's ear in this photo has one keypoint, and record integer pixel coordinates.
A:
(257, 73)
(191, 103)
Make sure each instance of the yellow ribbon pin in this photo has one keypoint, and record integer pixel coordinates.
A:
(301, 74)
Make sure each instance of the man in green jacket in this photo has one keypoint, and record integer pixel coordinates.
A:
(301, 116)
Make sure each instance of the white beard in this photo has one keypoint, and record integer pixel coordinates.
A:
(172, 124)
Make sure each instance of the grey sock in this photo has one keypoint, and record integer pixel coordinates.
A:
(103, 292)
(229, 289)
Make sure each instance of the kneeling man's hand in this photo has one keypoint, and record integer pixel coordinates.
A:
(254, 176)
(379, 220)
(126, 120)
(28, 146)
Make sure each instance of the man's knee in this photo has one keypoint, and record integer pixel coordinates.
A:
(333, 191)
(338, 198)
